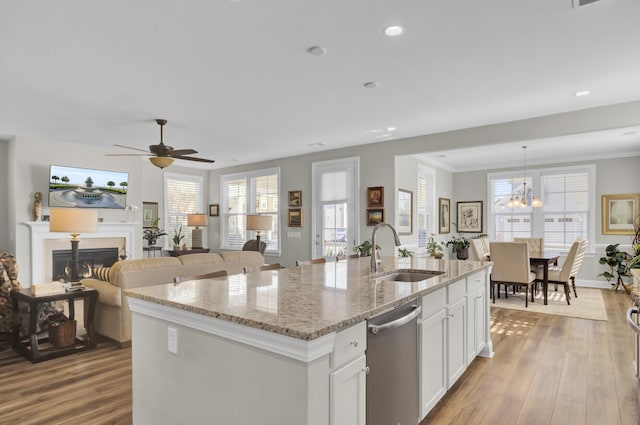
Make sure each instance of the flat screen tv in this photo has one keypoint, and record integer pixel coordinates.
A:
(87, 188)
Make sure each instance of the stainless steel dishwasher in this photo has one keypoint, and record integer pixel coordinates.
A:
(392, 360)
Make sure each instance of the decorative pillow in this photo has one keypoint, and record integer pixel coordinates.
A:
(101, 273)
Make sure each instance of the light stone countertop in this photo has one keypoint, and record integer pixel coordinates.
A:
(306, 302)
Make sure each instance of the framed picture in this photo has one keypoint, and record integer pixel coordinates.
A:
(295, 217)
(404, 224)
(214, 210)
(375, 216)
(295, 198)
(375, 196)
(444, 215)
(619, 213)
(469, 217)
(149, 215)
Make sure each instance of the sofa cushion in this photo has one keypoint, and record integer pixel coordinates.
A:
(196, 259)
(109, 293)
(140, 265)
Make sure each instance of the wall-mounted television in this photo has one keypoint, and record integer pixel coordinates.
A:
(75, 187)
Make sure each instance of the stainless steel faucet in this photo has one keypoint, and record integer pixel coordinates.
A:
(374, 254)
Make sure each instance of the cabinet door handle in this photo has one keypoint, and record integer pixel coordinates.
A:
(354, 343)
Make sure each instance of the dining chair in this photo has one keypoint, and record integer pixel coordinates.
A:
(273, 266)
(252, 244)
(562, 275)
(321, 260)
(584, 244)
(478, 249)
(535, 244)
(180, 279)
(511, 267)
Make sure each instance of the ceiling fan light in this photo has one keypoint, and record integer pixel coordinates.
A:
(161, 161)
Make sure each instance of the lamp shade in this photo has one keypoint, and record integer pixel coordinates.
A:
(161, 161)
(196, 220)
(259, 222)
(73, 220)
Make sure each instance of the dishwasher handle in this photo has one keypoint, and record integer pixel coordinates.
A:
(378, 329)
(632, 323)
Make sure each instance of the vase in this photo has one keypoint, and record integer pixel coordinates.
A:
(151, 242)
(462, 254)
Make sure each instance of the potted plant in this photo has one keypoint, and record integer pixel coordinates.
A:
(459, 245)
(618, 265)
(364, 249)
(152, 234)
(177, 238)
(434, 248)
(404, 253)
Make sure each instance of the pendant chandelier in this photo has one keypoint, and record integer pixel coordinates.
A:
(519, 196)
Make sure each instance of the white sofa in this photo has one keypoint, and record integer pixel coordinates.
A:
(113, 317)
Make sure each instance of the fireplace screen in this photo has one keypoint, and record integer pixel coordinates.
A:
(89, 259)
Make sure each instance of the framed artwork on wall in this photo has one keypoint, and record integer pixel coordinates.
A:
(214, 210)
(295, 198)
(405, 212)
(469, 217)
(295, 217)
(149, 215)
(619, 213)
(444, 215)
(375, 216)
(375, 196)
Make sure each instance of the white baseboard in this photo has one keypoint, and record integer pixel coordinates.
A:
(602, 284)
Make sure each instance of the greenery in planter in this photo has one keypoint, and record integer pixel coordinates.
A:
(178, 236)
(434, 247)
(617, 261)
(459, 245)
(364, 249)
(152, 234)
(404, 253)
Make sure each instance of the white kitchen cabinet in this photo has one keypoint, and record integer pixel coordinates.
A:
(476, 323)
(456, 340)
(433, 360)
(347, 394)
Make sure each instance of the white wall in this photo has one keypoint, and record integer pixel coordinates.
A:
(6, 241)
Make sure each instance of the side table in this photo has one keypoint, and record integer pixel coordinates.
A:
(152, 249)
(28, 346)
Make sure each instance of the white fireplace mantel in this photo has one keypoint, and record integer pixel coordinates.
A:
(40, 233)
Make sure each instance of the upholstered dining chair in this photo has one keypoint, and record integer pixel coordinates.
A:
(479, 251)
(584, 244)
(535, 244)
(272, 266)
(511, 267)
(251, 245)
(219, 273)
(321, 260)
(562, 275)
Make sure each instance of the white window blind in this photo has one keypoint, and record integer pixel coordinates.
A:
(183, 195)
(250, 193)
(568, 195)
(425, 200)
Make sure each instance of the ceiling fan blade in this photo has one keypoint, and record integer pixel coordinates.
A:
(192, 158)
(129, 147)
(180, 152)
(128, 154)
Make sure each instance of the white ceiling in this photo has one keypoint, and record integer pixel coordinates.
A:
(236, 83)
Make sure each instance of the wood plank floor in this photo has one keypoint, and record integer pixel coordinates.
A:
(546, 370)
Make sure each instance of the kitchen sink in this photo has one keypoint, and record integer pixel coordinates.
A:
(411, 276)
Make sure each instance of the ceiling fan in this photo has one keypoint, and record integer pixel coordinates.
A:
(163, 155)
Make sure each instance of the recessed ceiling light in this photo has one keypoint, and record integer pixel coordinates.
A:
(393, 30)
(391, 129)
(371, 84)
(582, 93)
(316, 50)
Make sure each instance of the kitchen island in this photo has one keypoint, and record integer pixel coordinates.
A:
(289, 346)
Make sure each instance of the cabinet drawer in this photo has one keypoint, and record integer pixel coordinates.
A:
(475, 281)
(434, 302)
(457, 290)
(349, 344)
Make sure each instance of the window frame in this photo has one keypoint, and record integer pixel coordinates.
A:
(535, 175)
(197, 179)
(429, 174)
(248, 176)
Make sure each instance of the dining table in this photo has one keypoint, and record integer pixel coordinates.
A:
(544, 258)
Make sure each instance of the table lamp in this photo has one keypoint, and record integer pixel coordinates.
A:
(73, 221)
(196, 234)
(259, 223)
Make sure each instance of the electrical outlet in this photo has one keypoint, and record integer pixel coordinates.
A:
(172, 340)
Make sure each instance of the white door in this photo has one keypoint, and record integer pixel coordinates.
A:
(335, 206)
(433, 357)
(456, 339)
(347, 394)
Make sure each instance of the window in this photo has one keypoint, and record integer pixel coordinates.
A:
(425, 205)
(568, 195)
(255, 192)
(183, 195)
